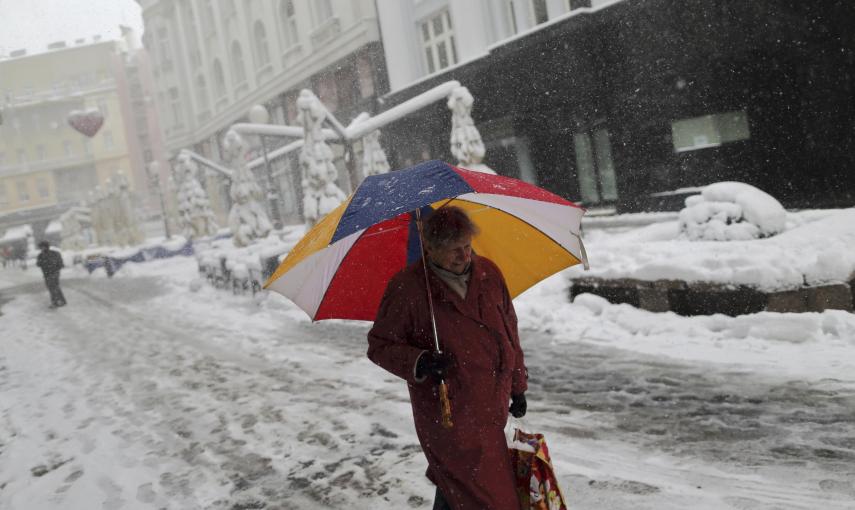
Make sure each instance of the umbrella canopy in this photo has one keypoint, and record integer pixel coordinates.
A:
(340, 269)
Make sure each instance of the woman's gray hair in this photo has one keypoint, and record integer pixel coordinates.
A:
(448, 224)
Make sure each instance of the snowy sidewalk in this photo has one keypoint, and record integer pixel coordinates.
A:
(144, 394)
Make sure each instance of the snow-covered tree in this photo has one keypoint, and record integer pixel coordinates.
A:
(194, 208)
(374, 160)
(247, 218)
(321, 194)
(466, 143)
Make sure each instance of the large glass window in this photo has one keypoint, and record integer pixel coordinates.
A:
(709, 130)
(438, 42)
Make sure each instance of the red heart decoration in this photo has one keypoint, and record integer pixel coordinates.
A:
(88, 122)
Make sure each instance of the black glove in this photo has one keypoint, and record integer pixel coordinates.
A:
(518, 405)
(434, 365)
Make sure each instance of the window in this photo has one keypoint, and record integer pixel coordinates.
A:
(323, 11)
(512, 15)
(219, 80)
(87, 147)
(238, 70)
(175, 104)
(262, 52)
(2, 158)
(42, 187)
(209, 16)
(365, 72)
(40, 152)
(22, 156)
(4, 198)
(102, 107)
(327, 91)
(66, 148)
(228, 8)
(289, 22)
(23, 192)
(575, 4)
(539, 13)
(108, 139)
(709, 130)
(165, 50)
(438, 40)
(203, 92)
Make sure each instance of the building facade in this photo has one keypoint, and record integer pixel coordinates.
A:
(214, 60)
(45, 165)
(633, 104)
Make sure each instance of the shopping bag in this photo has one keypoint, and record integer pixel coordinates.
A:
(536, 483)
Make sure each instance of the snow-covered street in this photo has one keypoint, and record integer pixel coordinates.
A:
(150, 391)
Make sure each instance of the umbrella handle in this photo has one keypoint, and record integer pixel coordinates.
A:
(445, 405)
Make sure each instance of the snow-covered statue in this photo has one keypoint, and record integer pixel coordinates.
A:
(247, 218)
(731, 211)
(374, 160)
(75, 223)
(466, 143)
(127, 228)
(321, 194)
(194, 210)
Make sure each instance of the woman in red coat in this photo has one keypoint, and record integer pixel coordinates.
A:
(481, 361)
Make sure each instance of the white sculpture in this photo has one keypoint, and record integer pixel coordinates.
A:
(194, 209)
(318, 173)
(247, 218)
(466, 143)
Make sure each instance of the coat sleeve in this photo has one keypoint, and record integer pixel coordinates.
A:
(390, 342)
(519, 383)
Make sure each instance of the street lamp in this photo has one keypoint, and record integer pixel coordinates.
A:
(154, 175)
(258, 115)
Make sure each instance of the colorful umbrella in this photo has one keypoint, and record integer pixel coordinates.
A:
(340, 268)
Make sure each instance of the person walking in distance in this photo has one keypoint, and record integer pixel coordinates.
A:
(50, 262)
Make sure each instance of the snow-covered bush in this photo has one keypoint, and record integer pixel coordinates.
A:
(731, 211)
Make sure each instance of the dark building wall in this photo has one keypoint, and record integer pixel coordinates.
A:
(634, 68)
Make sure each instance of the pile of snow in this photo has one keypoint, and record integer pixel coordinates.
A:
(731, 211)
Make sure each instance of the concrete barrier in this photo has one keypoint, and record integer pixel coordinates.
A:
(705, 298)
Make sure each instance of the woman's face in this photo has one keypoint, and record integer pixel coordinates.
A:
(453, 256)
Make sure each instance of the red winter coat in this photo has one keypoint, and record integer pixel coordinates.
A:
(470, 461)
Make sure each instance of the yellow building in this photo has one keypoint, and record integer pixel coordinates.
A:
(45, 164)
